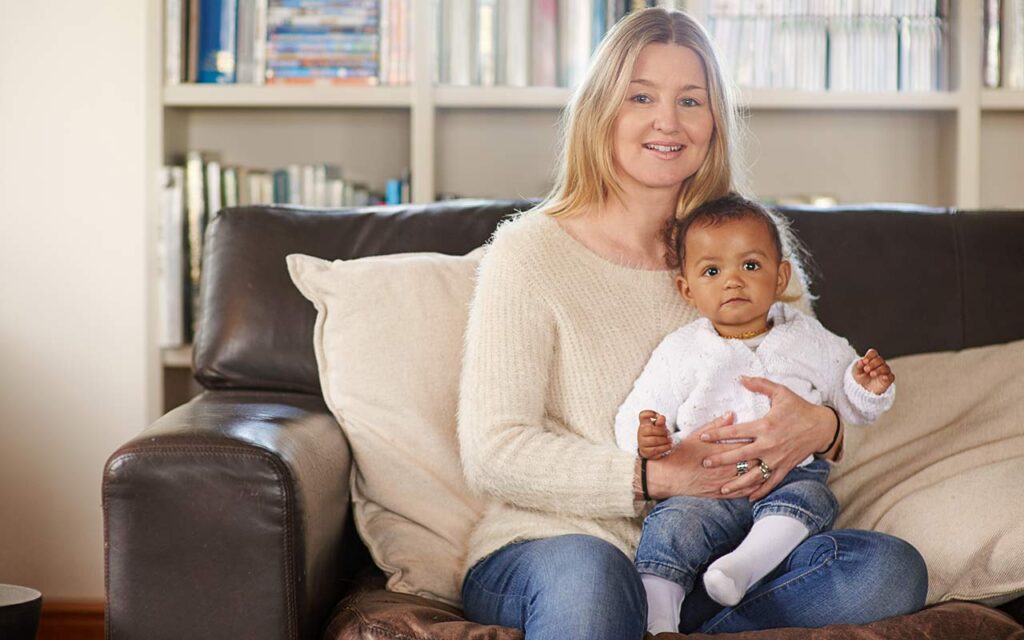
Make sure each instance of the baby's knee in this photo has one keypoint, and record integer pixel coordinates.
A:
(809, 501)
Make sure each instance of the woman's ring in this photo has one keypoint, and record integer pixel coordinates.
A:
(742, 467)
(766, 471)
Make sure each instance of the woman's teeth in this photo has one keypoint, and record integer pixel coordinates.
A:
(663, 149)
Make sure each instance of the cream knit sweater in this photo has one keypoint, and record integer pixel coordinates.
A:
(556, 337)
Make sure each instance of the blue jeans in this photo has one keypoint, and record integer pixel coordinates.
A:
(683, 535)
(577, 586)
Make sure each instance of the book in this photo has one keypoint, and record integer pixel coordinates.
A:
(195, 224)
(175, 34)
(251, 59)
(545, 43)
(217, 41)
(486, 43)
(1013, 44)
(514, 43)
(171, 252)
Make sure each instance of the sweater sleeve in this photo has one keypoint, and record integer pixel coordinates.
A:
(656, 390)
(855, 404)
(511, 449)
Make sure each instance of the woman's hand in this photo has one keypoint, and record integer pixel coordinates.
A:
(792, 430)
(680, 472)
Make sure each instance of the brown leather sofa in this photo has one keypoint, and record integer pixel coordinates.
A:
(227, 517)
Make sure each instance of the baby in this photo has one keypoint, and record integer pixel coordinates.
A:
(733, 272)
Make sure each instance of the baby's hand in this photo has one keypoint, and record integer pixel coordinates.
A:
(873, 373)
(652, 435)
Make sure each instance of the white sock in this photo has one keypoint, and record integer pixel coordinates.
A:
(768, 543)
(664, 601)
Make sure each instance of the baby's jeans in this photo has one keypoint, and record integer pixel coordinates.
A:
(683, 535)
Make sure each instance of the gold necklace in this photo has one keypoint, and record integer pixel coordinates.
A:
(746, 334)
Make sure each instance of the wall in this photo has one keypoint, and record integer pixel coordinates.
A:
(74, 373)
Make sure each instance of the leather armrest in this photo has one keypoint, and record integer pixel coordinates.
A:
(225, 519)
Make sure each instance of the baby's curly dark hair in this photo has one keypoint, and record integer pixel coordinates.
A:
(729, 207)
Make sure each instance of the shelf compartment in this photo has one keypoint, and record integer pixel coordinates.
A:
(256, 96)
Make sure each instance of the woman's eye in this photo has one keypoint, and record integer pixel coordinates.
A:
(641, 99)
(711, 271)
(689, 102)
(750, 265)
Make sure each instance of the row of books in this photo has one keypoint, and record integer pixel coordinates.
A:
(521, 43)
(351, 42)
(1004, 44)
(191, 193)
(819, 45)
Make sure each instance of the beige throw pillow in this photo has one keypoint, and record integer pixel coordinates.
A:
(942, 470)
(388, 342)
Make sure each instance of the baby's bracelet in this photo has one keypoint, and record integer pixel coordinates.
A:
(835, 436)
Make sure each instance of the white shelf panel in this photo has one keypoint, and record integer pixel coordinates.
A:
(501, 97)
(177, 357)
(210, 95)
(1002, 99)
(765, 99)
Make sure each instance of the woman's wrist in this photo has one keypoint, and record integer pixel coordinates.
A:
(835, 428)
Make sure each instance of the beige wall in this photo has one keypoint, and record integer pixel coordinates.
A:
(73, 372)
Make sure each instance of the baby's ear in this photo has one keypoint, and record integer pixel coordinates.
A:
(785, 273)
(684, 288)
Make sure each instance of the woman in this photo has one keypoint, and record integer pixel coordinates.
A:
(571, 300)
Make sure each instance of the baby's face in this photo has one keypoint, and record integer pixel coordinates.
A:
(732, 274)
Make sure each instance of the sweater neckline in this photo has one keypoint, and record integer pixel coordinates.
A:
(598, 261)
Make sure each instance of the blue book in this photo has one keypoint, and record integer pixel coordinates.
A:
(394, 192)
(218, 24)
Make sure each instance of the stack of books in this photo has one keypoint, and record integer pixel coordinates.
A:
(520, 43)
(1004, 44)
(192, 193)
(360, 42)
(860, 45)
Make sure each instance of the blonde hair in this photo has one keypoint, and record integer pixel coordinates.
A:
(586, 172)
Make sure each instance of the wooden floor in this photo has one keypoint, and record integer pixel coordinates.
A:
(67, 620)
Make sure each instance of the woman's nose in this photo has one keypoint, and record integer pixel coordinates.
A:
(666, 118)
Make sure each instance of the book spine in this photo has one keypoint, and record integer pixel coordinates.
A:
(545, 43)
(386, 41)
(245, 37)
(217, 41)
(196, 224)
(486, 33)
(174, 21)
(515, 36)
(259, 55)
(171, 292)
(460, 72)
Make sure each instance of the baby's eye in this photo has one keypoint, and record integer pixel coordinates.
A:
(711, 271)
(751, 265)
(640, 98)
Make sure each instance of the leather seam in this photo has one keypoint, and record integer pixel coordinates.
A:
(279, 470)
(391, 632)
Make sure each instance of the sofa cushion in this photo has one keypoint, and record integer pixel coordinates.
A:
(376, 614)
(941, 470)
(388, 343)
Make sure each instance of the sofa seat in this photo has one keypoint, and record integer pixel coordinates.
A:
(371, 613)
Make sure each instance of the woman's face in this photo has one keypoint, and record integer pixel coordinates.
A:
(663, 129)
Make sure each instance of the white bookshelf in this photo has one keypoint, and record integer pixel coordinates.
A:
(955, 148)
